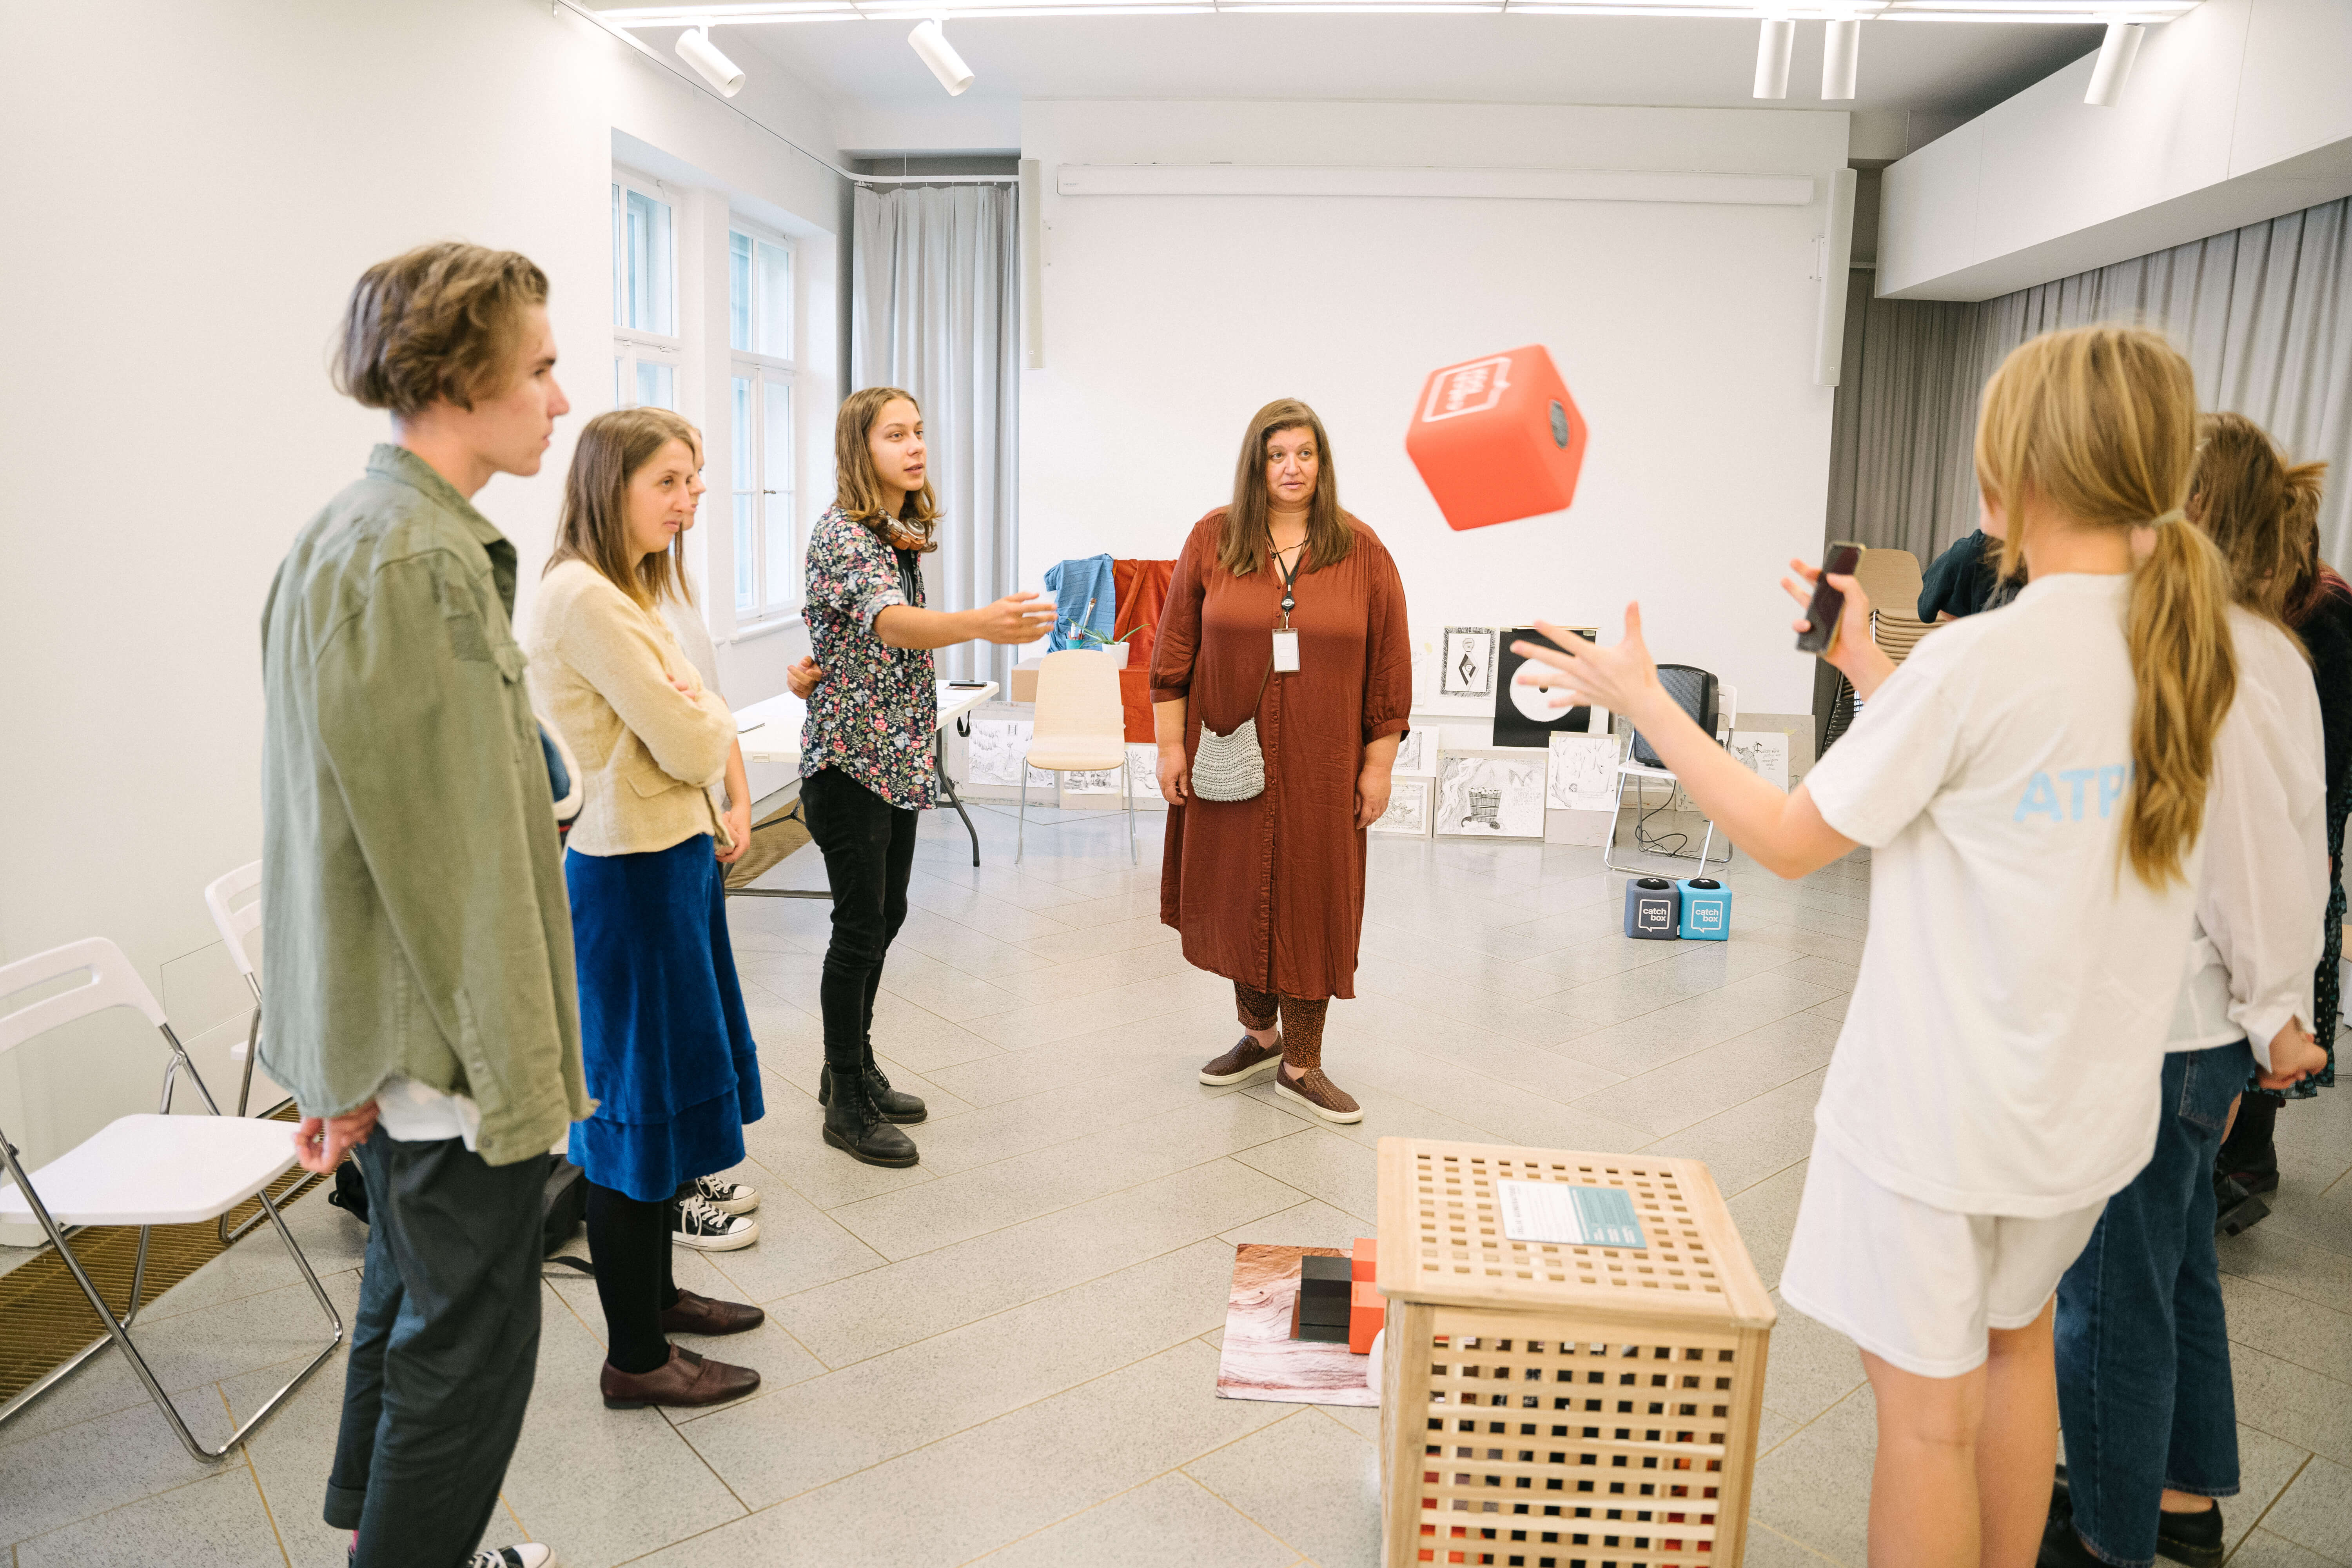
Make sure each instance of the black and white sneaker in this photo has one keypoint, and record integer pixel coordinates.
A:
(734, 1197)
(523, 1555)
(695, 1222)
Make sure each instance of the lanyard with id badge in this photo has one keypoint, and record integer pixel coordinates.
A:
(1285, 641)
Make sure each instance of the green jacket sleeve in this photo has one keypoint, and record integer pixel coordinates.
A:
(422, 716)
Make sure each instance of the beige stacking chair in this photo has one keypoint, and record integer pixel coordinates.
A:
(140, 1169)
(1891, 579)
(1080, 728)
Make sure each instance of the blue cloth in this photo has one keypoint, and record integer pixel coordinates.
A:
(1083, 596)
(2143, 1350)
(662, 1028)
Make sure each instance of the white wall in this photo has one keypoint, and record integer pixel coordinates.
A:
(2235, 114)
(1685, 333)
(185, 227)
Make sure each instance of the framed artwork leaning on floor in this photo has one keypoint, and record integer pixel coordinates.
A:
(1496, 793)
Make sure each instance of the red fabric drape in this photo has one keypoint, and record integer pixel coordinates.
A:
(1140, 589)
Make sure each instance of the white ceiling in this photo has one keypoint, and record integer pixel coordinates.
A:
(871, 75)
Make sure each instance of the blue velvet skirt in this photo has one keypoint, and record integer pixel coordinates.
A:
(667, 1046)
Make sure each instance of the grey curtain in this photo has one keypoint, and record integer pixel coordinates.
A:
(2264, 312)
(935, 308)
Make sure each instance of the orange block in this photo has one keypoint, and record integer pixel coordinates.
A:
(1497, 439)
(1364, 1259)
(1367, 1310)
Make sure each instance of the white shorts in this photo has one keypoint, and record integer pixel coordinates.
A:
(1913, 1284)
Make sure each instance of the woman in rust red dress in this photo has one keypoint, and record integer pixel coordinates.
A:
(1269, 891)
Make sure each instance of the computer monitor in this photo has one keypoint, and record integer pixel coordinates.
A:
(1694, 692)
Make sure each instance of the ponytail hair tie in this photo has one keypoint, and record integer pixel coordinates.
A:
(2174, 515)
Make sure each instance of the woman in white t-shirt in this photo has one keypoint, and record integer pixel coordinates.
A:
(2032, 782)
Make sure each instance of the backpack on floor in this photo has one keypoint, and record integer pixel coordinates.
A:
(564, 1204)
(349, 1194)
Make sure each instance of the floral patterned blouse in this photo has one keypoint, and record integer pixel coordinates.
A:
(874, 714)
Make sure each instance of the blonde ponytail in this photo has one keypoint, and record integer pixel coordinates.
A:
(2186, 668)
(2095, 428)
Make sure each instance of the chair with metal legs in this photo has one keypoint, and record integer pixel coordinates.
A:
(241, 929)
(142, 1170)
(1080, 728)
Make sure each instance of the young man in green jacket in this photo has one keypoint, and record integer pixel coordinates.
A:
(420, 990)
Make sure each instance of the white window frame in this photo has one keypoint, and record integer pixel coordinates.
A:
(764, 370)
(632, 345)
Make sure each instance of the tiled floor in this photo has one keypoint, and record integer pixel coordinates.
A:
(1006, 1354)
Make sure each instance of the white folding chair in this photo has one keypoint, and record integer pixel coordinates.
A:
(1080, 728)
(1727, 714)
(140, 1169)
(241, 929)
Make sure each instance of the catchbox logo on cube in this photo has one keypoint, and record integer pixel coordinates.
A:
(1472, 388)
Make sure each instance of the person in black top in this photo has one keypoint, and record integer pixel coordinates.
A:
(2317, 604)
(1963, 580)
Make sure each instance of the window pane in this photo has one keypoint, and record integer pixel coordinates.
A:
(650, 284)
(618, 401)
(746, 540)
(656, 385)
(738, 290)
(620, 265)
(775, 298)
(776, 456)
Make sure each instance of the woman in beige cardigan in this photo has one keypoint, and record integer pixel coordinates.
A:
(668, 1048)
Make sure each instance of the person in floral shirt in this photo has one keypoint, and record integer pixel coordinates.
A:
(866, 751)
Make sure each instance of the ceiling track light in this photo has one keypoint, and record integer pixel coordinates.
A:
(1773, 45)
(930, 41)
(1840, 57)
(2116, 53)
(695, 47)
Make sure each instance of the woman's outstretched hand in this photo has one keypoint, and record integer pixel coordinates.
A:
(1014, 619)
(1619, 677)
(803, 678)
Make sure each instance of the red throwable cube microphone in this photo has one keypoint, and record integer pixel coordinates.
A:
(1497, 439)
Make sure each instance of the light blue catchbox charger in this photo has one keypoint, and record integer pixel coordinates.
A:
(1706, 910)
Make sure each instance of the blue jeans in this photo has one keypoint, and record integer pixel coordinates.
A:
(2143, 1350)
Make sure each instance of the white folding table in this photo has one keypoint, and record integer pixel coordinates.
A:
(770, 731)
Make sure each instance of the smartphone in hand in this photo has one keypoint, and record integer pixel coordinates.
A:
(1828, 604)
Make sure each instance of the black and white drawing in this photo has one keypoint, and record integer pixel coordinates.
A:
(1582, 775)
(1408, 812)
(1524, 715)
(996, 749)
(1413, 753)
(1143, 768)
(1491, 794)
(1764, 752)
(1466, 663)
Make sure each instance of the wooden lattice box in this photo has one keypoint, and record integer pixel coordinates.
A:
(1557, 1404)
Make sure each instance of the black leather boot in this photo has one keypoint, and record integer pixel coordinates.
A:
(853, 1125)
(895, 1105)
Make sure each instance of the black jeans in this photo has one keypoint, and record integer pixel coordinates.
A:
(629, 1245)
(443, 1350)
(868, 847)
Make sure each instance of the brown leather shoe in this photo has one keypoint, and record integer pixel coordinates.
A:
(696, 1314)
(685, 1379)
(1246, 1060)
(1318, 1094)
